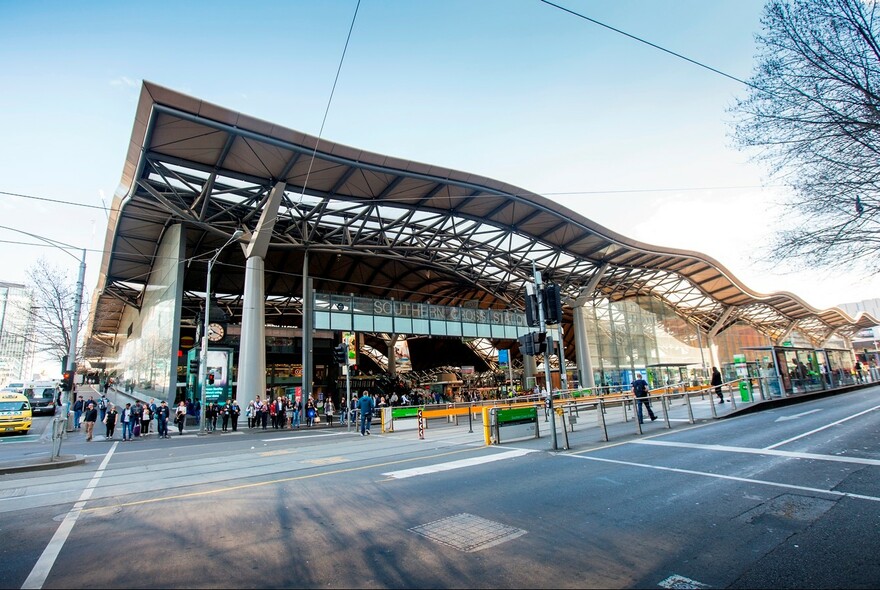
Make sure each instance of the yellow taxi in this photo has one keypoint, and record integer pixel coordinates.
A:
(15, 412)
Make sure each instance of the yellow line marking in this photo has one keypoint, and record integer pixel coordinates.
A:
(275, 481)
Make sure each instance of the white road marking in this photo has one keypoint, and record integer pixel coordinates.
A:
(796, 416)
(729, 477)
(794, 438)
(44, 564)
(301, 436)
(404, 473)
(767, 451)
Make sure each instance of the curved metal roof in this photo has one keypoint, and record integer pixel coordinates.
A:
(382, 226)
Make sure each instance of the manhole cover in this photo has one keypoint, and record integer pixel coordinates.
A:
(467, 532)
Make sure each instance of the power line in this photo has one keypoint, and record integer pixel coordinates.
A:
(648, 43)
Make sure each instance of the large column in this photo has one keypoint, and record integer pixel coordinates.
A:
(582, 348)
(530, 370)
(252, 349)
(392, 356)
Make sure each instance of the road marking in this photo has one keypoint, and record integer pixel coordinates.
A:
(44, 564)
(301, 437)
(750, 451)
(404, 473)
(730, 477)
(794, 438)
(796, 416)
(273, 481)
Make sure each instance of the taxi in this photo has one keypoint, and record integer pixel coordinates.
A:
(15, 412)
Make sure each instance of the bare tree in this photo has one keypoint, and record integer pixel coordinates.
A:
(813, 113)
(53, 297)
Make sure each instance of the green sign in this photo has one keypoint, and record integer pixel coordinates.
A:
(507, 415)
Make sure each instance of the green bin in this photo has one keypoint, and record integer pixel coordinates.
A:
(745, 390)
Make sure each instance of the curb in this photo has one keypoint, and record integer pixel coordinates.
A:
(42, 464)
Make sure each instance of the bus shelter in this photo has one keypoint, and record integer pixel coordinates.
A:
(783, 370)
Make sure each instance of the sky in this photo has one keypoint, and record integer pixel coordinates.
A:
(516, 90)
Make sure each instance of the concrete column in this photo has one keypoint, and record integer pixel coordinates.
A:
(392, 356)
(530, 370)
(252, 350)
(582, 348)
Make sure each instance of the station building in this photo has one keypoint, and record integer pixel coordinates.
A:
(418, 266)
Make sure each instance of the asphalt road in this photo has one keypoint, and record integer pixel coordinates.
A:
(786, 498)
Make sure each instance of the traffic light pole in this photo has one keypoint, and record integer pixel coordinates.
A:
(543, 327)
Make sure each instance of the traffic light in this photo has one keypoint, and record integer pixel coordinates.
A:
(526, 346)
(533, 343)
(532, 318)
(539, 342)
(67, 381)
(552, 304)
(340, 353)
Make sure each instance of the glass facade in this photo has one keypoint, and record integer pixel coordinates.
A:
(642, 335)
(148, 359)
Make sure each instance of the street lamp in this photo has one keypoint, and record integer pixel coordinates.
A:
(203, 365)
(77, 304)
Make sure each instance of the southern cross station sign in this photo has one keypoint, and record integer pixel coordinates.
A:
(355, 313)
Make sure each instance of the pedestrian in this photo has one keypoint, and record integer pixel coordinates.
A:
(153, 408)
(163, 412)
(224, 413)
(365, 405)
(640, 389)
(249, 412)
(127, 422)
(109, 420)
(297, 409)
(264, 414)
(234, 412)
(328, 411)
(180, 417)
(90, 417)
(146, 418)
(858, 369)
(716, 381)
(102, 406)
(311, 412)
(77, 411)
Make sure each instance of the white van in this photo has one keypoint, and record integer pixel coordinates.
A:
(43, 396)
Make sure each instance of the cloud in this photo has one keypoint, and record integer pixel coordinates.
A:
(125, 82)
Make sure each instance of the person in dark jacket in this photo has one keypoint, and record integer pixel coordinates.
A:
(163, 412)
(641, 391)
(365, 405)
(716, 381)
(234, 411)
(91, 416)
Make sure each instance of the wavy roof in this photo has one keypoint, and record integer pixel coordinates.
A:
(381, 226)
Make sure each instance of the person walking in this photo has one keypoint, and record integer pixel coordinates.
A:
(90, 417)
(365, 405)
(180, 417)
(640, 390)
(328, 411)
(109, 420)
(127, 422)
(716, 381)
(163, 412)
(103, 403)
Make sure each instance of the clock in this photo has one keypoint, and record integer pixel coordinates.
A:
(216, 332)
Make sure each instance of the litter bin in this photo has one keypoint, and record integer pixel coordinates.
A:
(71, 422)
(745, 390)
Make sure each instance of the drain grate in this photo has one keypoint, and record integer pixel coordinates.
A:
(467, 532)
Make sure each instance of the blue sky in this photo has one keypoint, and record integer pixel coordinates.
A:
(514, 90)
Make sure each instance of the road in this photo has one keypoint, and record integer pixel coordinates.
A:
(786, 498)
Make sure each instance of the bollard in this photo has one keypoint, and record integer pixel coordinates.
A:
(687, 399)
(665, 403)
(601, 417)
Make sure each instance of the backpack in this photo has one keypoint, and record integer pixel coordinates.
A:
(102, 403)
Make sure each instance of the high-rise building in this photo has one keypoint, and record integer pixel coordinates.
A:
(16, 333)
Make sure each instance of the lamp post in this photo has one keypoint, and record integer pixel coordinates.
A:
(203, 365)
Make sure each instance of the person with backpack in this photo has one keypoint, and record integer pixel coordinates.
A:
(103, 404)
(640, 390)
